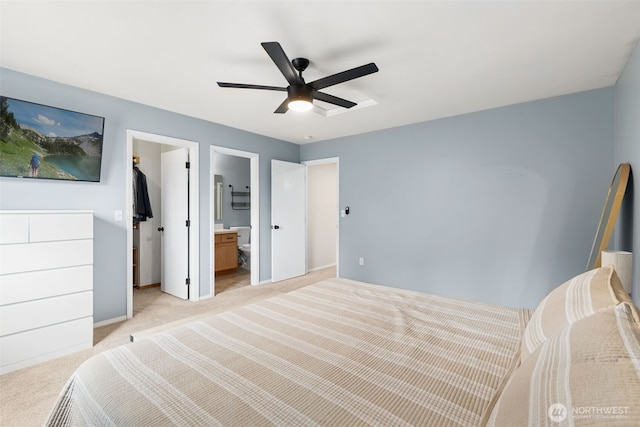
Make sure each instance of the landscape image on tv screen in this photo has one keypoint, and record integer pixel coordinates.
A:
(38, 141)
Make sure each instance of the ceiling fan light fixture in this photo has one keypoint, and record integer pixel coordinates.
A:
(300, 105)
(299, 98)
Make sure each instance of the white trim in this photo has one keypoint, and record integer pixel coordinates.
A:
(335, 110)
(255, 210)
(316, 162)
(109, 321)
(329, 160)
(322, 267)
(194, 200)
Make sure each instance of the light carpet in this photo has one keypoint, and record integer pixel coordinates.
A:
(27, 395)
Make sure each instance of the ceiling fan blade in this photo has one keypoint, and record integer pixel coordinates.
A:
(282, 62)
(246, 86)
(344, 76)
(320, 96)
(283, 108)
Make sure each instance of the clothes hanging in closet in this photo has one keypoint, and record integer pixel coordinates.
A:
(141, 203)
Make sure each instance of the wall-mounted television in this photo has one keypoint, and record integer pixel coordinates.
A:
(42, 142)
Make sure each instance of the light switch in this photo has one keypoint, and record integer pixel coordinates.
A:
(118, 215)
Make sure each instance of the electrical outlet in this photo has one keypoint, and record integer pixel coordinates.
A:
(361, 261)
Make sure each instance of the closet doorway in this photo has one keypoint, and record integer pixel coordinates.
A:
(161, 254)
(323, 220)
(252, 199)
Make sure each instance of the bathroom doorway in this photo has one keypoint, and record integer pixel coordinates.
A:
(235, 208)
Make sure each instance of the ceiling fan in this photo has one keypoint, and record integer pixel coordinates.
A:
(300, 95)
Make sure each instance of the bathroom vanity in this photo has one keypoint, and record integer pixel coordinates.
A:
(226, 251)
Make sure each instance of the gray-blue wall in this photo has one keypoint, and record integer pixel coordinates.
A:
(627, 150)
(498, 206)
(107, 196)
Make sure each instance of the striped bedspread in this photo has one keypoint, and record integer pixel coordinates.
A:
(335, 353)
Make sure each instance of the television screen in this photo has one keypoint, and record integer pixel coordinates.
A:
(42, 142)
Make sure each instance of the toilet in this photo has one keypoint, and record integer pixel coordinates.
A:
(244, 234)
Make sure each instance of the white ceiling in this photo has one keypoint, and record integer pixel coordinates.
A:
(436, 59)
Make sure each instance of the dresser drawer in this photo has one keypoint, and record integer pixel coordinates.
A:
(226, 238)
(32, 285)
(51, 227)
(29, 315)
(14, 229)
(39, 345)
(42, 256)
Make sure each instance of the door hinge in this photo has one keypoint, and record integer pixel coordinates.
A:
(188, 223)
(187, 281)
(187, 165)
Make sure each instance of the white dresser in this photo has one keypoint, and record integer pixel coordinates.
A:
(46, 285)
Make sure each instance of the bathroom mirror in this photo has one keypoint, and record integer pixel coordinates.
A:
(217, 197)
(609, 215)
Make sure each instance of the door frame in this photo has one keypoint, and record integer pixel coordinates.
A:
(194, 194)
(329, 160)
(254, 169)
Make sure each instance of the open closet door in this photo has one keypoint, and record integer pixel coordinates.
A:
(175, 217)
(288, 222)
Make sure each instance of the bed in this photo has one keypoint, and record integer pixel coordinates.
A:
(340, 352)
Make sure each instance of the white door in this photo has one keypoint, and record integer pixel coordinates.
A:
(174, 194)
(288, 222)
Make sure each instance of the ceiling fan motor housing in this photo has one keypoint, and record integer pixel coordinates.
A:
(299, 93)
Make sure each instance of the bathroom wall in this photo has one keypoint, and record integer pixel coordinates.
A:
(498, 206)
(235, 171)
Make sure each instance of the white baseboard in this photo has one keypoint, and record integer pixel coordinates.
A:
(109, 321)
(308, 271)
(322, 267)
